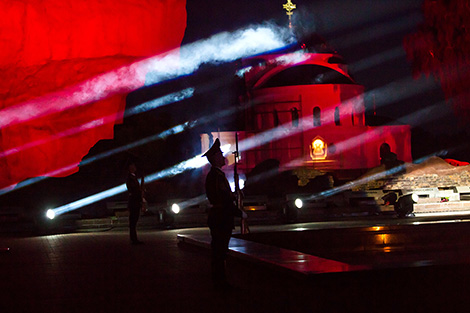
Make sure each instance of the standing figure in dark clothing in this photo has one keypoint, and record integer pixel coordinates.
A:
(134, 203)
(388, 158)
(221, 214)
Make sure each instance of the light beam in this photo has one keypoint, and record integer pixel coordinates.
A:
(195, 162)
(223, 47)
(144, 107)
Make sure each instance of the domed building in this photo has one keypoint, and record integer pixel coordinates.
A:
(305, 110)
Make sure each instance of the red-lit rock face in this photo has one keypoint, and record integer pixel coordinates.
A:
(49, 46)
(440, 47)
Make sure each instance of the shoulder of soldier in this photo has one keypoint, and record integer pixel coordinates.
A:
(211, 175)
(216, 172)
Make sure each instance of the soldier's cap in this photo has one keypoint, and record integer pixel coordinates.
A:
(214, 149)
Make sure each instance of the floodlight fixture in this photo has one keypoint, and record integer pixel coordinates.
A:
(298, 203)
(50, 214)
(175, 208)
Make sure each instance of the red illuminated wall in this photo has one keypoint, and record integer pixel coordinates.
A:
(50, 46)
(339, 121)
(441, 47)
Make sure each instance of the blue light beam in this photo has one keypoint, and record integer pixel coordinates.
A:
(193, 163)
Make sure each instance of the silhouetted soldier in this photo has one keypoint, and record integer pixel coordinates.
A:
(221, 214)
(388, 158)
(134, 203)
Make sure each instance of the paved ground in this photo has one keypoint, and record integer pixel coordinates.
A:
(101, 272)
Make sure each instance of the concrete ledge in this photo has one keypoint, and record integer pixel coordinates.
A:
(451, 206)
(295, 263)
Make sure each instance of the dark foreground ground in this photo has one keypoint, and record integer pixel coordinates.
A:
(101, 272)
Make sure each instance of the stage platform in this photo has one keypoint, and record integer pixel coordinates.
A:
(409, 266)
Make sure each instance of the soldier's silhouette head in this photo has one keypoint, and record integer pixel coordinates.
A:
(215, 155)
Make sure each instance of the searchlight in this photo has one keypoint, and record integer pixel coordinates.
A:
(50, 214)
(175, 208)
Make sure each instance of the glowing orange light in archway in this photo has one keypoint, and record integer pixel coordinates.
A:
(318, 149)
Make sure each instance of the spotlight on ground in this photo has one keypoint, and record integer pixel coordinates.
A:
(405, 204)
(175, 208)
(50, 214)
(298, 203)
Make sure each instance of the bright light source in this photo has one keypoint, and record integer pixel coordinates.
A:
(298, 203)
(175, 208)
(50, 214)
(415, 198)
(241, 184)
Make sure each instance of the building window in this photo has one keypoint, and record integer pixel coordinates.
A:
(316, 116)
(295, 117)
(337, 120)
(275, 118)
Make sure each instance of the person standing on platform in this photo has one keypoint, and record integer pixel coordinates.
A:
(134, 204)
(221, 214)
